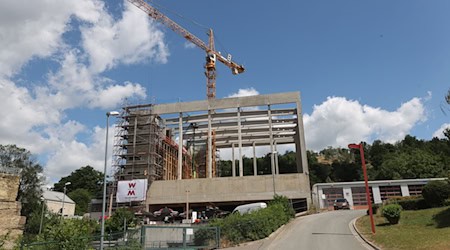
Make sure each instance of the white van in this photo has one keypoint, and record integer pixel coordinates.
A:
(248, 208)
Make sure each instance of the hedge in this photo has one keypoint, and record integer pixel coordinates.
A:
(436, 192)
(257, 225)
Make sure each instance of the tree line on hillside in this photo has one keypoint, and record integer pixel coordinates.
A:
(409, 158)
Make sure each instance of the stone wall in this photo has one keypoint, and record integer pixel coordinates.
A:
(11, 223)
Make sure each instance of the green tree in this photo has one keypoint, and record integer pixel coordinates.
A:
(117, 221)
(83, 178)
(82, 198)
(346, 171)
(377, 151)
(31, 181)
(287, 162)
(415, 163)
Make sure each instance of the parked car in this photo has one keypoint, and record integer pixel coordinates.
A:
(341, 203)
(248, 208)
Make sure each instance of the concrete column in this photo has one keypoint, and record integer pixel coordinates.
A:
(241, 164)
(233, 161)
(300, 145)
(348, 195)
(209, 160)
(321, 201)
(255, 164)
(277, 169)
(405, 189)
(272, 158)
(376, 195)
(180, 147)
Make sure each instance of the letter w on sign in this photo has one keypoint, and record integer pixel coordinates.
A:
(132, 184)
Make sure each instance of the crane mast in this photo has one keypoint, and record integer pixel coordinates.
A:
(211, 54)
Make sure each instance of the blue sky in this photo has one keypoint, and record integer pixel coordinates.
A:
(366, 70)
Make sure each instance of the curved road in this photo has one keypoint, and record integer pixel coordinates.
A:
(329, 230)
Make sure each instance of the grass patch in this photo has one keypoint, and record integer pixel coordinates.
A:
(420, 229)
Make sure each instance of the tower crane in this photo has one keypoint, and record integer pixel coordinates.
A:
(211, 54)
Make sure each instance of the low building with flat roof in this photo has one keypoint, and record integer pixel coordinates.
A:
(54, 201)
(324, 194)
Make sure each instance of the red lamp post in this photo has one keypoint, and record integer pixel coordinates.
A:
(366, 181)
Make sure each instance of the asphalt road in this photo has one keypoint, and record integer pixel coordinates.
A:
(329, 230)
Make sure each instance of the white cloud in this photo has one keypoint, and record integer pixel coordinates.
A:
(73, 154)
(189, 45)
(132, 39)
(74, 86)
(338, 122)
(244, 92)
(35, 117)
(33, 28)
(439, 133)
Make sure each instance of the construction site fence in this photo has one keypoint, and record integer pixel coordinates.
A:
(180, 237)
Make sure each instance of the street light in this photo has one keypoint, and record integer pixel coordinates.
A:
(42, 214)
(366, 181)
(108, 114)
(64, 198)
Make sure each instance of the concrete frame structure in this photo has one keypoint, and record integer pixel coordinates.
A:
(235, 123)
(347, 193)
(241, 122)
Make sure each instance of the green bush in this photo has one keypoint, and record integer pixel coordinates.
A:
(392, 213)
(204, 236)
(239, 228)
(70, 234)
(284, 201)
(413, 204)
(436, 192)
(447, 202)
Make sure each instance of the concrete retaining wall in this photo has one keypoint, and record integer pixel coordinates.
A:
(227, 189)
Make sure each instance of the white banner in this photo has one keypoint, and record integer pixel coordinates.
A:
(134, 190)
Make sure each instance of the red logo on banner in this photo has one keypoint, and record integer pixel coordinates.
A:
(132, 184)
(131, 192)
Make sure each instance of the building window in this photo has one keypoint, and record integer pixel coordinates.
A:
(359, 196)
(390, 191)
(415, 190)
(332, 194)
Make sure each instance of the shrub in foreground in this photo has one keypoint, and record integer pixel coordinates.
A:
(392, 213)
(436, 192)
(238, 228)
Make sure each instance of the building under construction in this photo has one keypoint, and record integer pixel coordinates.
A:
(177, 148)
